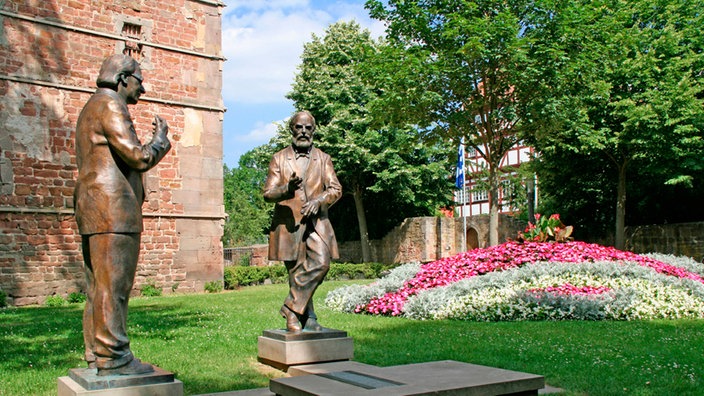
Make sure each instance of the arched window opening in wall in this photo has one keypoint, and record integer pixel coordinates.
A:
(472, 239)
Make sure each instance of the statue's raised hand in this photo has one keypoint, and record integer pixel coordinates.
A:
(294, 183)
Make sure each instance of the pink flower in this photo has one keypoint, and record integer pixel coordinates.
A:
(449, 270)
(570, 290)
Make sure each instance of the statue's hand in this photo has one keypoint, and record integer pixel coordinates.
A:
(294, 183)
(310, 208)
(160, 126)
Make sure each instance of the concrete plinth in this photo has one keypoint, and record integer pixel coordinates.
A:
(280, 349)
(87, 382)
(434, 378)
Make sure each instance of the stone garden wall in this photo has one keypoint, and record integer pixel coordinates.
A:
(686, 239)
(426, 239)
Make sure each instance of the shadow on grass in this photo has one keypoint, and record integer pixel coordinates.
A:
(50, 337)
(41, 338)
(210, 343)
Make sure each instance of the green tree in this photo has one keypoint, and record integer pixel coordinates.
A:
(459, 69)
(387, 163)
(248, 215)
(623, 85)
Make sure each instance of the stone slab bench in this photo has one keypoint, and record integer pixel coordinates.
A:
(445, 377)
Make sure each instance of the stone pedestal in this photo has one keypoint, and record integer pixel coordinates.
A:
(87, 382)
(281, 349)
(433, 378)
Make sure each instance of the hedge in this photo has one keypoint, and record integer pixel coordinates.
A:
(237, 275)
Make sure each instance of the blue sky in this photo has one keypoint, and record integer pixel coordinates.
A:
(263, 41)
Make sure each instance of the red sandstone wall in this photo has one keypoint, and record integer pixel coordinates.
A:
(50, 53)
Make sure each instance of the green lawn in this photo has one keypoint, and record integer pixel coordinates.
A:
(210, 342)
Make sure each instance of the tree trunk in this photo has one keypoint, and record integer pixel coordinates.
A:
(362, 220)
(620, 236)
(493, 206)
(530, 195)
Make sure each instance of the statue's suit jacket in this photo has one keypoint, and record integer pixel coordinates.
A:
(288, 225)
(109, 192)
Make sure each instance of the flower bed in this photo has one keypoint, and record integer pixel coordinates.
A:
(603, 293)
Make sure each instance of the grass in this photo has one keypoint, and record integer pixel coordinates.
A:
(210, 342)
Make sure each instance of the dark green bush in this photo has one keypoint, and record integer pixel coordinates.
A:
(246, 260)
(236, 276)
(278, 274)
(213, 287)
(76, 297)
(3, 299)
(150, 289)
(55, 301)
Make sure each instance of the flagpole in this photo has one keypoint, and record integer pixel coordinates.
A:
(460, 183)
(464, 220)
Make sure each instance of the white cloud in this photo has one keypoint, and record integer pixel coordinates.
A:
(261, 134)
(263, 51)
(233, 6)
(263, 42)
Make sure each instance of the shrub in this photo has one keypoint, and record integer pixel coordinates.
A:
(149, 289)
(3, 299)
(346, 271)
(278, 274)
(236, 276)
(246, 260)
(76, 297)
(213, 287)
(55, 301)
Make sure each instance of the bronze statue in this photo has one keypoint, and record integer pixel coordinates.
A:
(108, 197)
(303, 184)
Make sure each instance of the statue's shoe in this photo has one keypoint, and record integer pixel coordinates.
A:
(312, 325)
(292, 323)
(135, 367)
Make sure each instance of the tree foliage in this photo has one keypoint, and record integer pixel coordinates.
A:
(389, 171)
(248, 215)
(613, 86)
(459, 69)
(623, 90)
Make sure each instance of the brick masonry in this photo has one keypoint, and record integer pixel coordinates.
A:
(50, 53)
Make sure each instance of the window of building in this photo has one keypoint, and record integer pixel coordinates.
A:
(136, 33)
(479, 194)
(460, 196)
(133, 31)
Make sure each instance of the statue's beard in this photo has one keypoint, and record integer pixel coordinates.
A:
(303, 143)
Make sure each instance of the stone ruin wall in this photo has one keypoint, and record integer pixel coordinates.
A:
(425, 239)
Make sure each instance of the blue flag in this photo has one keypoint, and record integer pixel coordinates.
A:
(459, 173)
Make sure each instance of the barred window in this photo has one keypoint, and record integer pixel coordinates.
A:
(133, 31)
